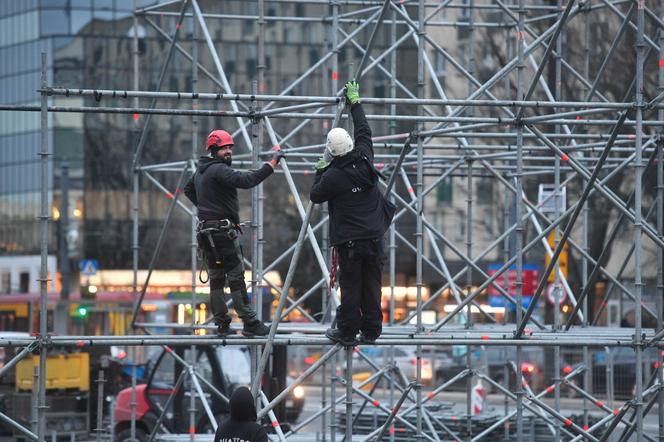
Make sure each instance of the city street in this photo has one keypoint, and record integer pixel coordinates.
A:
(495, 405)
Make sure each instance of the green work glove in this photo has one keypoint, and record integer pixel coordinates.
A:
(321, 164)
(353, 92)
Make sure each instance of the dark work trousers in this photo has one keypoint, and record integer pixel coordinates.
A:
(360, 270)
(227, 265)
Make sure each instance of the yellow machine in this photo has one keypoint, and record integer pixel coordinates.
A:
(67, 393)
(63, 372)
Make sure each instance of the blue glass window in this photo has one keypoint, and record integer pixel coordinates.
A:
(53, 22)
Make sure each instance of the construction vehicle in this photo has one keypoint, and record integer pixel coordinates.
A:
(67, 393)
(224, 367)
(71, 390)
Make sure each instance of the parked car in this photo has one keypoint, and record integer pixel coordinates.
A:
(225, 367)
(404, 357)
(492, 360)
(624, 370)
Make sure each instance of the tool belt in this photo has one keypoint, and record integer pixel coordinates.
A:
(219, 224)
(206, 231)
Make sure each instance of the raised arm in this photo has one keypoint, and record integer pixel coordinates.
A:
(362, 132)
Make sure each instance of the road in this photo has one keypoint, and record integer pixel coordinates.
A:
(457, 402)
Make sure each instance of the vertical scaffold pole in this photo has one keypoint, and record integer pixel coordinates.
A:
(638, 171)
(134, 219)
(586, 218)
(43, 272)
(392, 235)
(469, 285)
(259, 88)
(556, 233)
(326, 292)
(255, 289)
(506, 224)
(335, 87)
(470, 112)
(349, 394)
(519, 222)
(659, 294)
(194, 149)
(419, 187)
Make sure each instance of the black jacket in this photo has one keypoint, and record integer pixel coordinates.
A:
(213, 188)
(349, 185)
(241, 426)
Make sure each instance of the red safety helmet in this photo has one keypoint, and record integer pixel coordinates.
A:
(219, 138)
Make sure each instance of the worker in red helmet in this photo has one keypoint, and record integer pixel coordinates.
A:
(213, 190)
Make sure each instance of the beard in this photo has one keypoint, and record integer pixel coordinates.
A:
(228, 160)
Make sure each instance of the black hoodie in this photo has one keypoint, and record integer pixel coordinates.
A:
(241, 426)
(349, 186)
(213, 188)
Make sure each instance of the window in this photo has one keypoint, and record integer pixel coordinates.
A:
(379, 89)
(79, 19)
(484, 191)
(203, 368)
(313, 56)
(444, 193)
(53, 3)
(24, 282)
(251, 66)
(235, 364)
(104, 4)
(164, 375)
(54, 22)
(248, 26)
(5, 282)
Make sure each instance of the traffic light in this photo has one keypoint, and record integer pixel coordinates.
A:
(79, 313)
(82, 311)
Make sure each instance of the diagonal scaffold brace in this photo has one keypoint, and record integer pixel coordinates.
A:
(568, 228)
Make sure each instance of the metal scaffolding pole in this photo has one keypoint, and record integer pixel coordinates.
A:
(193, 224)
(419, 186)
(519, 224)
(557, 95)
(638, 173)
(44, 217)
(659, 294)
(135, 218)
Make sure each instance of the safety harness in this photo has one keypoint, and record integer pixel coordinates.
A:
(205, 231)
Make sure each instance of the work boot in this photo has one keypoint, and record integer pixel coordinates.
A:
(224, 330)
(337, 336)
(367, 339)
(255, 328)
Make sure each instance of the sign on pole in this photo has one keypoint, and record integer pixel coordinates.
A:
(562, 258)
(88, 267)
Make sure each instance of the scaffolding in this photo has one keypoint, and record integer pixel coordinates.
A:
(500, 131)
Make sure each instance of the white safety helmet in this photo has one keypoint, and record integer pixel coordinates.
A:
(339, 143)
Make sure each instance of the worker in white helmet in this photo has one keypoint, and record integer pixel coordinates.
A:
(359, 217)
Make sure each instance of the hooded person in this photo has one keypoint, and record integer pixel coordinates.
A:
(359, 217)
(241, 426)
(213, 190)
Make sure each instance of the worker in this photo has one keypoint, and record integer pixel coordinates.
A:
(241, 425)
(359, 217)
(213, 190)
